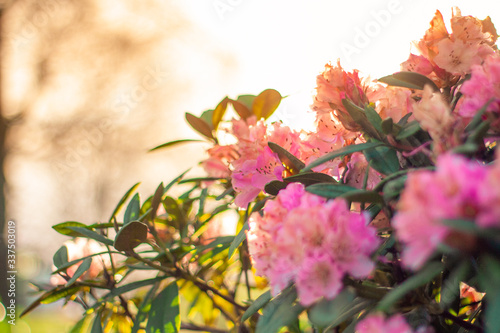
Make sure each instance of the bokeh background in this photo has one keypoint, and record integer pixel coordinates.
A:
(88, 86)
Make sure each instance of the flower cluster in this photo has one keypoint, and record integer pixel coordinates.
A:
(376, 323)
(458, 189)
(305, 239)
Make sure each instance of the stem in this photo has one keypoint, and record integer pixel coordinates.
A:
(247, 284)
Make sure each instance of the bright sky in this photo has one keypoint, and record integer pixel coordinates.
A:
(285, 44)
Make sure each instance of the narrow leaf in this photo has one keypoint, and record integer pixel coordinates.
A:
(274, 187)
(383, 159)
(174, 143)
(164, 315)
(279, 312)
(410, 80)
(97, 325)
(122, 201)
(92, 235)
(341, 152)
(310, 178)
(330, 191)
(60, 257)
(84, 266)
(408, 130)
(258, 304)
(63, 229)
(133, 209)
(240, 237)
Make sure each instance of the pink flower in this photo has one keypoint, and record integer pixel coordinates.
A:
(376, 323)
(483, 87)
(456, 57)
(452, 191)
(305, 239)
(356, 171)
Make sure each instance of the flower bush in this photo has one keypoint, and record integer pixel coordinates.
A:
(385, 218)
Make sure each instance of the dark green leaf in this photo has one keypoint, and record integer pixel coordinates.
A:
(359, 115)
(410, 80)
(363, 196)
(274, 187)
(323, 313)
(330, 191)
(63, 229)
(199, 125)
(383, 159)
(408, 130)
(422, 277)
(310, 178)
(266, 103)
(164, 316)
(279, 312)
(173, 143)
(96, 325)
(132, 286)
(341, 152)
(92, 235)
(387, 126)
(130, 236)
(489, 272)
(133, 209)
(200, 179)
(122, 201)
(155, 202)
(374, 118)
(292, 163)
(240, 237)
(219, 112)
(477, 119)
(84, 266)
(450, 290)
(60, 257)
(260, 302)
(144, 307)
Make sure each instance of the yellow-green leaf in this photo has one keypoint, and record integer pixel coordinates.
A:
(266, 103)
(219, 112)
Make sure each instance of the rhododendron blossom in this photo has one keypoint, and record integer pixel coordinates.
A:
(377, 323)
(458, 189)
(304, 238)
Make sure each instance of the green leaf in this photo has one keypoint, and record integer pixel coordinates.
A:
(144, 308)
(80, 325)
(84, 266)
(164, 316)
(175, 215)
(57, 294)
(266, 103)
(310, 178)
(240, 237)
(97, 325)
(63, 229)
(200, 179)
(359, 115)
(260, 302)
(408, 130)
(292, 163)
(387, 126)
(219, 112)
(133, 210)
(247, 101)
(175, 181)
(383, 159)
(200, 125)
(363, 196)
(122, 201)
(174, 143)
(450, 290)
(410, 80)
(132, 286)
(92, 235)
(325, 312)
(423, 276)
(489, 271)
(341, 152)
(279, 312)
(374, 118)
(274, 187)
(130, 236)
(61, 256)
(330, 191)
